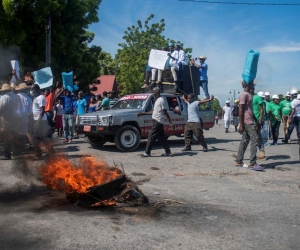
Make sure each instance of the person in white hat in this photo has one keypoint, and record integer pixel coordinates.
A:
(294, 118)
(9, 106)
(25, 111)
(286, 109)
(203, 67)
(275, 118)
(226, 113)
(268, 102)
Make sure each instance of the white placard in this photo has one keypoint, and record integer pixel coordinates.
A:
(157, 59)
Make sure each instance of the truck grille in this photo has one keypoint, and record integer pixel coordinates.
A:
(89, 121)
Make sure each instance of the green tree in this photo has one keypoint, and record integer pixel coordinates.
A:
(133, 56)
(23, 24)
(108, 65)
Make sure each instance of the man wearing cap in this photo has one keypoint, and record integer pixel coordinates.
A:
(203, 67)
(286, 111)
(235, 114)
(177, 59)
(157, 132)
(9, 110)
(226, 113)
(293, 118)
(25, 115)
(275, 118)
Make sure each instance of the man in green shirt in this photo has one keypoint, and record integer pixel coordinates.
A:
(275, 117)
(267, 102)
(259, 117)
(105, 102)
(286, 109)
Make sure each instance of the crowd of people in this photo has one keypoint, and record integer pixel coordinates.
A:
(29, 115)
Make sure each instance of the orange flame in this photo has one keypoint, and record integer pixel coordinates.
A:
(61, 174)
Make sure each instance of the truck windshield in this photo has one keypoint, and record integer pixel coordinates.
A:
(130, 104)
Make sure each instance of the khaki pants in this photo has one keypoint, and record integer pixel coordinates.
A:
(196, 129)
(285, 123)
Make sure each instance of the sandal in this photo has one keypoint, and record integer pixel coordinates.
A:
(256, 167)
(239, 164)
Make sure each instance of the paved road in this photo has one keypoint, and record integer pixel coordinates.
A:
(204, 201)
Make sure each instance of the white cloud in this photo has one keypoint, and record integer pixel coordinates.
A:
(292, 47)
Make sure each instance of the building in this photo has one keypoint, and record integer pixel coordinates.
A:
(106, 83)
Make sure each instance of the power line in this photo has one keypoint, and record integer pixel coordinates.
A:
(239, 3)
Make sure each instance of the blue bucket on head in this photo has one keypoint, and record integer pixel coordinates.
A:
(250, 68)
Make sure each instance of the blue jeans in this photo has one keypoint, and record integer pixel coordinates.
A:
(264, 132)
(204, 85)
(68, 123)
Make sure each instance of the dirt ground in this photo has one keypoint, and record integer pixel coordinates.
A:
(197, 201)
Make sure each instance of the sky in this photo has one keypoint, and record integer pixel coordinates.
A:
(223, 33)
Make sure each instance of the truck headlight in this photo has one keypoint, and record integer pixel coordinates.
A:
(105, 121)
(110, 120)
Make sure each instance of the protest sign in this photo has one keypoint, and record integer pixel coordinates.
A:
(15, 66)
(43, 77)
(67, 79)
(157, 59)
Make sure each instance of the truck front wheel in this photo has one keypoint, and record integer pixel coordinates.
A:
(95, 142)
(128, 138)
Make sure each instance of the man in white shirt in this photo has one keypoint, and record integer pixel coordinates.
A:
(9, 106)
(157, 131)
(25, 112)
(177, 59)
(295, 115)
(41, 125)
(226, 113)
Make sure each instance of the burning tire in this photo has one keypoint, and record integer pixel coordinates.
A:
(128, 138)
(95, 142)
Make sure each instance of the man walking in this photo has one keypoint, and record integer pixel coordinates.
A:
(159, 113)
(235, 114)
(193, 125)
(295, 115)
(247, 128)
(226, 113)
(275, 118)
(286, 109)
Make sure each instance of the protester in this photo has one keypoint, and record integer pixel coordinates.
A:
(295, 115)
(157, 132)
(293, 122)
(193, 125)
(268, 102)
(275, 118)
(93, 105)
(159, 76)
(216, 119)
(50, 98)
(247, 128)
(235, 114)
(105, 102)
(99, 101)
(226, 114)
(25, 112)
(9, 106)
(148, 71)
(259, 117)
(286, 109)
(58, 112)
(41, 127)
(113, 98)
(177, 59)
(67, 102)
(264, 127)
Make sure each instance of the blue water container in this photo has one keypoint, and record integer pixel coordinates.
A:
(250, 68)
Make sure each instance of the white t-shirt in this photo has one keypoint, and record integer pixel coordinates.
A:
(296, 105)
(158, 113)
(58, 109)
(9, 106)
(227, 113)
(38, 102)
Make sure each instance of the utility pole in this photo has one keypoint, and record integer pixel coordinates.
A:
(48, 40)
(233, 90)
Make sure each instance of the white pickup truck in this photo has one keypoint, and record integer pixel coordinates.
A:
(120, 124)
